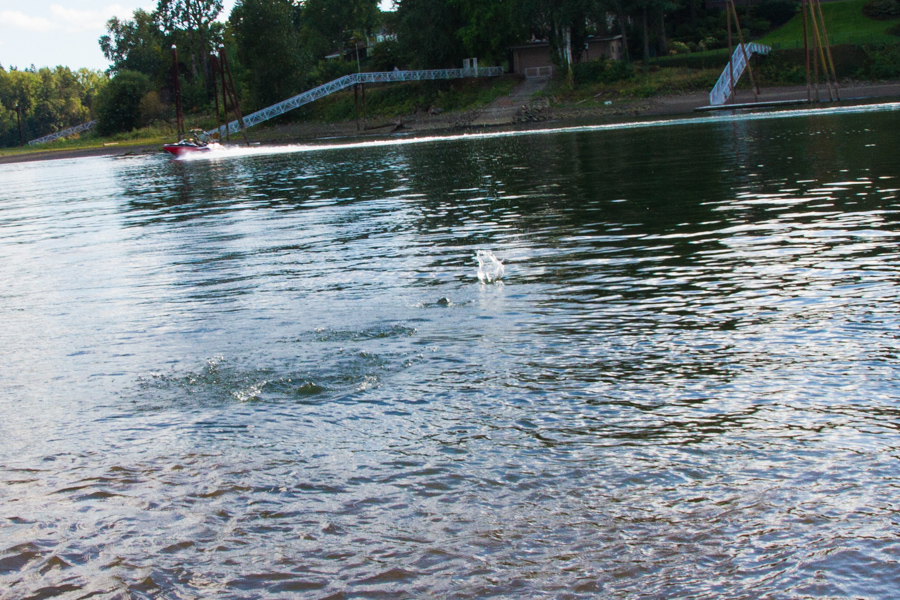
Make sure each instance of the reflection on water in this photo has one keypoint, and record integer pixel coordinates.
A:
(276, 373)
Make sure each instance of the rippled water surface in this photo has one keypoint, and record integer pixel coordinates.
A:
(276, 373)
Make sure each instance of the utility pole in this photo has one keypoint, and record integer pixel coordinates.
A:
(19, 121)
(214, 68)
(806, 51)
(179, 115)
(747, 64)
(235, 103)
(730, 54)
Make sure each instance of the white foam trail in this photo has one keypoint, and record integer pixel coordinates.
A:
(243, 151)
(490, 269)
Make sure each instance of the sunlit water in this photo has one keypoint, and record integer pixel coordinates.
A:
(276, 373)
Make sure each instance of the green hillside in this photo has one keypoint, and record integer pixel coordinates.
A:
(845, 23)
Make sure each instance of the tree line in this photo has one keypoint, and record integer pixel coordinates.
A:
(278, 48)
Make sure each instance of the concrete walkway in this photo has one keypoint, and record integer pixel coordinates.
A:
(507, 109)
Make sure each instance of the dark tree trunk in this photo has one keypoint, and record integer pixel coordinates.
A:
(661, 45)
(646, 59)
(621, 13)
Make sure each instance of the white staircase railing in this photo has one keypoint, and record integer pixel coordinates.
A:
(347, 81)
(724, 88)
(63, 133)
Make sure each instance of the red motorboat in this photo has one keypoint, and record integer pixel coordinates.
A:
(185, 147)
(200, 142)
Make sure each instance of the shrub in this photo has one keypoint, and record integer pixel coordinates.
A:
(709, 43)
(679, 48)
(385, 56)
(119, 102)
(884, 61)
(151, 109)
(759, 26)
(882, 10)
(777, 12)
(328, 70)
(602, 71)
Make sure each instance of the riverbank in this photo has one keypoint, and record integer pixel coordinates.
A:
(507, 113)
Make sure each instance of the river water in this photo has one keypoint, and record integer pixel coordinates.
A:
(275, 373)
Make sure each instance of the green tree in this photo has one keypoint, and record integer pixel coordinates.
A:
(118, 103)
(136, 45)
(48, 100)
(329, 25)
(565, 23)
(58, 101)
(268, 46)
(193, 21)
(18, 91)
(489, 28)
(427, 33)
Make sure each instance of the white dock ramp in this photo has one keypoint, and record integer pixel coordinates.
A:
(724, 88)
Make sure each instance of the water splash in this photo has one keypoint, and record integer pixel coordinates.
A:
(490, 269)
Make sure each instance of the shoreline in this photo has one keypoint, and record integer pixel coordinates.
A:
(535, 114)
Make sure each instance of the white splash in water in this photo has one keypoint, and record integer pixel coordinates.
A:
(251, 393)
(490, 269)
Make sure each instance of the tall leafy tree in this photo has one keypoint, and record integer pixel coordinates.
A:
(651, 15)
(564, 23)
(47, 99)
(268, 46)
(330, 25)
(118, 103)
(427, 32)
(135, 45)
(192, 20)
(488, 28)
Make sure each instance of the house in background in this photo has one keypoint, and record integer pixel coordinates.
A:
(362, 48)
(534, 59)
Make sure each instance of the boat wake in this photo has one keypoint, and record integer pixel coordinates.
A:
(228, 152)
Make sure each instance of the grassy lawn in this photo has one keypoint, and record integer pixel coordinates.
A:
(394, 99)
(656, 82)
(147, 136)
(845, 24)
(84, 144)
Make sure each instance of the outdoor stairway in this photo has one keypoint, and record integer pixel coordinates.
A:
(724, 88)
(64, 133)
(347, 81)
(505, 109)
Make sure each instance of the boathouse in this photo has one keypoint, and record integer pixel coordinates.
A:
(535, 59)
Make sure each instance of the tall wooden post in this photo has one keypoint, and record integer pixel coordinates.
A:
(224, 95)
(749, 67)
(365, 114)
(19, 122)
(214, 68)
(837, 92)
(806, 51)
(179, 116)
(820, 52)
(356, 103)
(235, 103)
(730, 54)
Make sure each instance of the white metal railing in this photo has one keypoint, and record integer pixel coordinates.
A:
(538, 72)
(63, 133)
(347, 81)
(723, 89)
